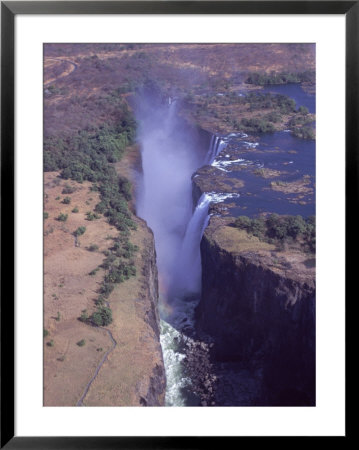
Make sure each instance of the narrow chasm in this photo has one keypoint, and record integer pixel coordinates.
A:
(172, 151)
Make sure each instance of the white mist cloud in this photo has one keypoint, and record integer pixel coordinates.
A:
(170, 155)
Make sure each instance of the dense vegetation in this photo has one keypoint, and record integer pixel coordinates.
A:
(280, 229)
(254, 101)
(269, 109)
(256, 125)
(304, 132)
(88, 155)
(262, 79)
(281, 103)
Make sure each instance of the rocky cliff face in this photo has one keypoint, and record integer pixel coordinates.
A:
(258, 306)
(154, 392)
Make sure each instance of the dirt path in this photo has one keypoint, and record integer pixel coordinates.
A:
(98, 368)
(64, 74)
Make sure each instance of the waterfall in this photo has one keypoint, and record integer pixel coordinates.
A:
(170, 156)
(188, 280)
(216, 145)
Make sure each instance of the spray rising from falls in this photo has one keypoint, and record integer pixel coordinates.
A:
(171, 152)
(169, 158)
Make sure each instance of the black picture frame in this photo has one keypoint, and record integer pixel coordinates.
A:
(9, 9)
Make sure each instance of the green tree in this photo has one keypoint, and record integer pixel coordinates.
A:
(102, 317)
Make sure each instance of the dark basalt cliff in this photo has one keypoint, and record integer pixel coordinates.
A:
(258, 306)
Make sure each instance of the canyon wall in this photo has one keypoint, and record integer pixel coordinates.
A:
(258, 306)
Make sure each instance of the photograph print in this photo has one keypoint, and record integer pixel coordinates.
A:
(179, 224)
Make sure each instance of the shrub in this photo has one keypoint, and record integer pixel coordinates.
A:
(49, 231)
(303, 110)
(257, 125)
(46, 215)
(273, 117)
(68, 189)
(100, 301)
(94, 271)
(81, 343)
(84, 316)
(62, 217)
(46, 332)
(79, 231)
(243, 222)
(106, 289)
(304, 132)
(124, 187)
(75, 210)
(276, 227)
(50, 343)
(102, 317)
(310, 235)
(92, 248)
(92, 216)
(66, 201)
(258, 227)
(295, 226)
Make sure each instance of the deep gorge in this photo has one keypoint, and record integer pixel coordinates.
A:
(229, 322)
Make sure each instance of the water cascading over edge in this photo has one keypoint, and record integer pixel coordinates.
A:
(170, 155)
